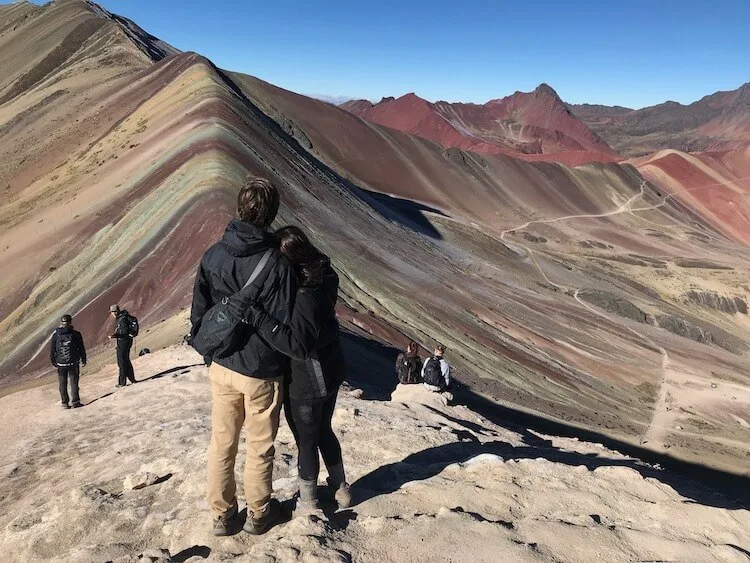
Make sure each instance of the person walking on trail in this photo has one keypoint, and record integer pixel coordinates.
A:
(124, 334)
(311, 339)
(246, 383)
(436, 371)
(409, 365)
(67, 354)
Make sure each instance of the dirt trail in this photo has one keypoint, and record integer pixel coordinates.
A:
(676, 386)
(661, 417)
(664, 415)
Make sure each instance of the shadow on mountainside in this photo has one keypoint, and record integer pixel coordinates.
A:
(406, 213)
(700, 484)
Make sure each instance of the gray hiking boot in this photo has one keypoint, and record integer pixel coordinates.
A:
(226, 524)
(307, 503)
(338, 487)
(307, 508)
(65, 405)
(343, 495)
(259, 526)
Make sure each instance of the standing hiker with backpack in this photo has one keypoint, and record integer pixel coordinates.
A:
(246, 373)
(126, 329)
(409, 365)
(67, 354)
(436, 372)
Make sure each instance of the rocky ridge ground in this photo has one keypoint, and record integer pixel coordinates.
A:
(123, 480)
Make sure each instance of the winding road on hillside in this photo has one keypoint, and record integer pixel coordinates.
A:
(662, 416)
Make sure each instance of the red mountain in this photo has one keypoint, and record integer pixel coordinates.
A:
(524, 124)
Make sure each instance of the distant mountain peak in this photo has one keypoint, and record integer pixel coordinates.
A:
(412, 97)
(545, 89)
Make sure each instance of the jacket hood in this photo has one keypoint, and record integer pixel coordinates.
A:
(243, 239)
(65, 329)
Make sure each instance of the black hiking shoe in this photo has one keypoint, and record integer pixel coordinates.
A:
(77, 405)
(227, 524)
(259, 526)
(65, 406)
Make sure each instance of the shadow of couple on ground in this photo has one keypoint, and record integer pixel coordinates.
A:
(698, 483)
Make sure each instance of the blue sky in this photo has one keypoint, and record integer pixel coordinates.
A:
(631, 53)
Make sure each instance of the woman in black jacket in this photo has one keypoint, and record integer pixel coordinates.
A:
(311, 340)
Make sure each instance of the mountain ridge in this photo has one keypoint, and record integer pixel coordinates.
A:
(524, 123)
(717, 121)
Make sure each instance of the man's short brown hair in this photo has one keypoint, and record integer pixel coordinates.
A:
(440, 348)
(258, 202)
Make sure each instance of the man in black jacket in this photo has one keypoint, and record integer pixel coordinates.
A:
(246, 386)
(67, 353)
(124, 344)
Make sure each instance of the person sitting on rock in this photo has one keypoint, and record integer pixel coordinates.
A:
(67, 353)
(311, 339)
(409, 365)
(436, 371)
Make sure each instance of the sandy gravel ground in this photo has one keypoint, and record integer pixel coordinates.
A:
(432, 483)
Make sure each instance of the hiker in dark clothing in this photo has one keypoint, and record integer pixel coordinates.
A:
(124, 344)
(67, 353)
(409, 365)
(247, 384)
(436, 371)
(311, 339)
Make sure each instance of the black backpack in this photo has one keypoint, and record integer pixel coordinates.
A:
(223, 329)
(408, 369)
(433, 373)
(132, 325)
(64, 350)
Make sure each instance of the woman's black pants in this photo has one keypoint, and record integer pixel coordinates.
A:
(310, 422)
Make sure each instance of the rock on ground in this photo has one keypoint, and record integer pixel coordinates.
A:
(136, 481)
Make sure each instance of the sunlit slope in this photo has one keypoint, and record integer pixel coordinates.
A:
(716, 185)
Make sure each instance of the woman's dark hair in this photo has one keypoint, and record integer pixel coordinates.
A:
(309, 262)
(412, 348)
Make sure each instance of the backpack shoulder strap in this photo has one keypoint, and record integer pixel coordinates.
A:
(269, 258)
(259, 268)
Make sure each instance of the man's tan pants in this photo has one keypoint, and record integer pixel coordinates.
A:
(239, 399)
